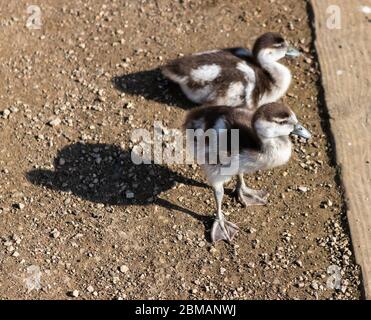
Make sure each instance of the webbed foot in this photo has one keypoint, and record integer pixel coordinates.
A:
(223, 230)
(250, 197)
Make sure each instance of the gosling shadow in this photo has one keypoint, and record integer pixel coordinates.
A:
(105, 173)
(152, 85)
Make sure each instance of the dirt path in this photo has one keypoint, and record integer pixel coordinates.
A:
(63, 204)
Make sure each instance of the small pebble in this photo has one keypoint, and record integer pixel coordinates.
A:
(20, 206)
(55, 233)
(314, 285)
(303, 189)
(55, 122)
(124, 269)
(75, 293)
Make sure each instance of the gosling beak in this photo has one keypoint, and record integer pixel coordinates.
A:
(300, 131)
(292, 52)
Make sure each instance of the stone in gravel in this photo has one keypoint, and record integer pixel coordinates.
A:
(8, 243)
(255, 243)
(124, 269)
(201, 244)
(75, 293)
(314, 285)
(299, 263)
(55, 233)
(19, 206)
(303, 189)
(55, 122)
(6, 113)
(251, 230)
(213, 251)
(90, 289)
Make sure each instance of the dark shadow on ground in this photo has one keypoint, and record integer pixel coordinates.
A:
(104, 173)
(151, 85)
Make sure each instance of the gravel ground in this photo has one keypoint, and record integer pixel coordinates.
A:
(79, 221)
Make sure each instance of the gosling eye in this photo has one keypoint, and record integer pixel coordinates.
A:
(281, 122)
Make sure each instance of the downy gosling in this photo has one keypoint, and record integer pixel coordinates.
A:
(235, 77)
(262, 142)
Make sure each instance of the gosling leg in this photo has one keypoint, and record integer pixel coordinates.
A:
(222, 229)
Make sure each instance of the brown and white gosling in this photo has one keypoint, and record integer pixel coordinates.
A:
(235, 77)
(263, 143)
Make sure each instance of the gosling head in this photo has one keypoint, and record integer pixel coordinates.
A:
(271, 47)
(275, 120)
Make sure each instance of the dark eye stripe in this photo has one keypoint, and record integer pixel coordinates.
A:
(281, 122)
(278, 45)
